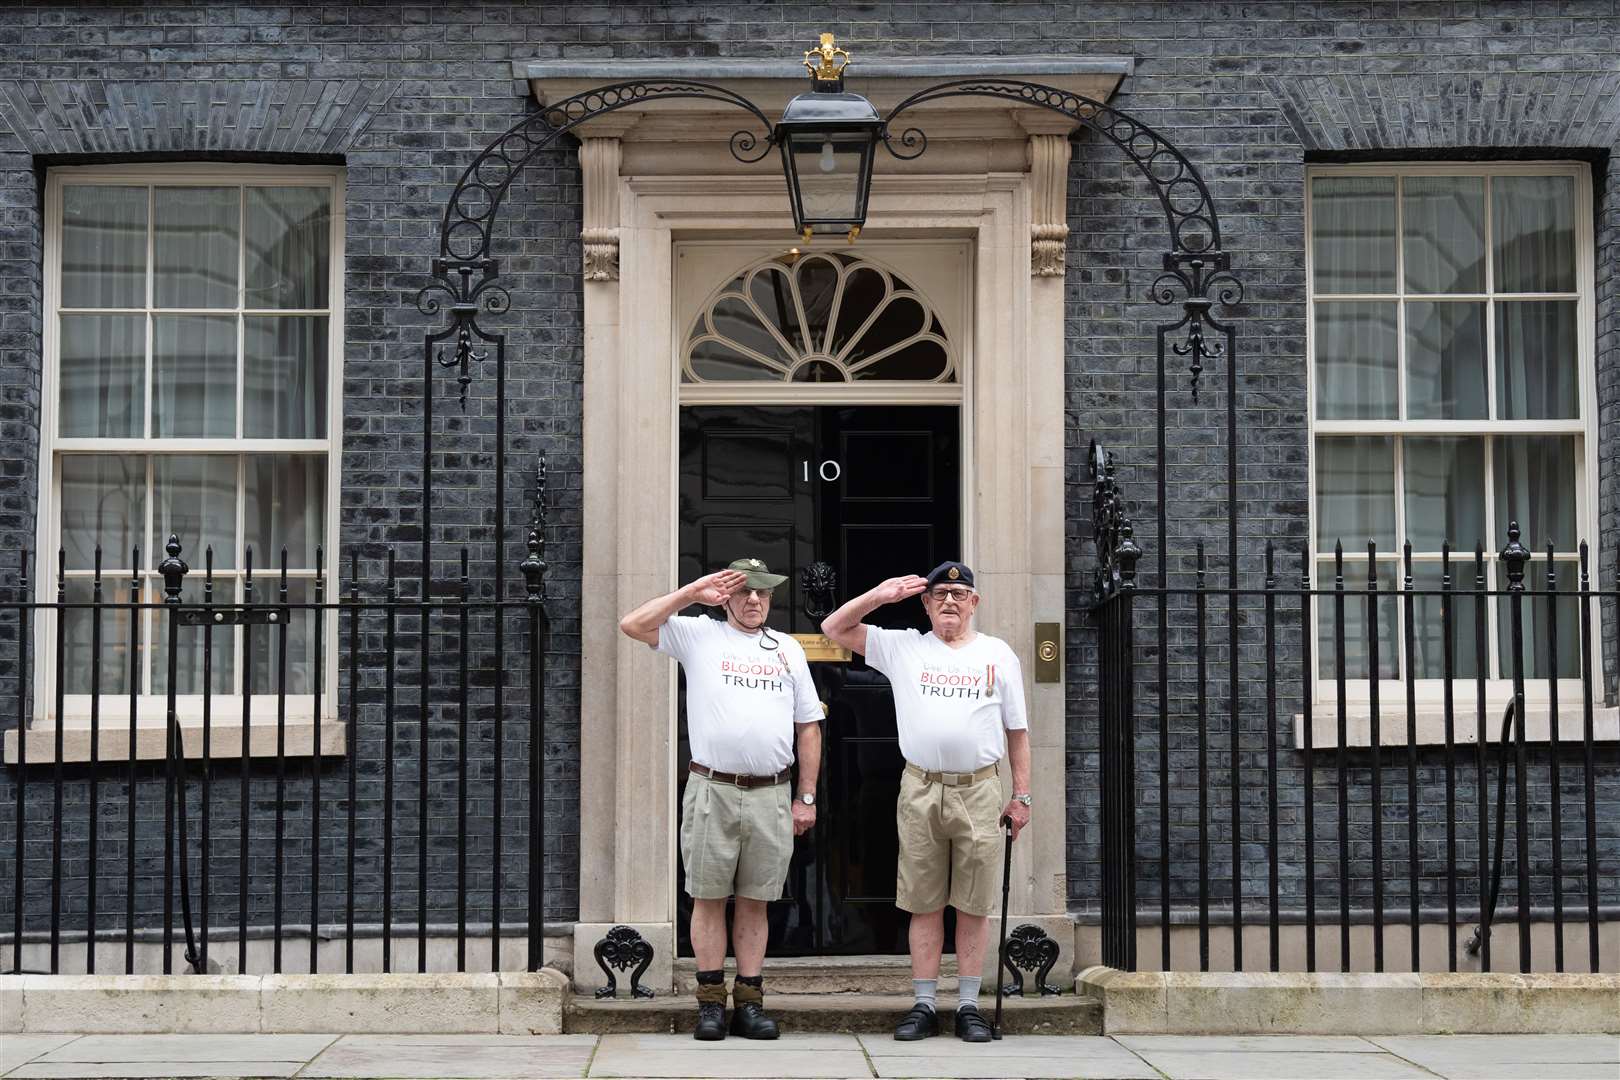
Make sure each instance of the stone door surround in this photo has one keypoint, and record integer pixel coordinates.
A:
(993, 175)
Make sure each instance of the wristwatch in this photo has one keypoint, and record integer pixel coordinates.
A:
(1024, 798)
(808, 798)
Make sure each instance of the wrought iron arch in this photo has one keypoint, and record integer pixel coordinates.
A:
(465, 274)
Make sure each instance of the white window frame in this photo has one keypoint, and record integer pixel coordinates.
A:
(225, 709)
(1430, 692)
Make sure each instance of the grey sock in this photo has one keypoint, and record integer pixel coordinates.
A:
(967, 990)
(927, 991)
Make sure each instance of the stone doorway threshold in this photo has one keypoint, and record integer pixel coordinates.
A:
(857, 1014)
(871, 974)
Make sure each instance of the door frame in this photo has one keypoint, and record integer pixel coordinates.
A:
(1012, 528)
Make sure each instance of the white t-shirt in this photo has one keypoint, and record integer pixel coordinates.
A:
(741, 700)
(951, 705)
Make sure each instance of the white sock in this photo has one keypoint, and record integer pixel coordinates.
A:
(927, 991)
(967, 990)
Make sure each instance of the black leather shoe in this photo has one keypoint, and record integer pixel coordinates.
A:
(749, 1021)
(711, 1025)
(970, 1026)
(919, 1023)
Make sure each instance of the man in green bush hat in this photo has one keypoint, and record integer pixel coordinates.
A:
(750, 704)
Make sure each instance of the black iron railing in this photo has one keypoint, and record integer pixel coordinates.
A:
(428, 824)
(1214, 815)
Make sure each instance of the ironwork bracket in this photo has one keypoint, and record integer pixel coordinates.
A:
(258, 615)
(622, 947)
(1030, 949)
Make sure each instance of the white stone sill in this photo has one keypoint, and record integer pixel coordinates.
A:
(1431, 724)
(225, 742)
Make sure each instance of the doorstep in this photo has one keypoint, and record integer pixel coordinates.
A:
(865, 974)
(1064, 1014)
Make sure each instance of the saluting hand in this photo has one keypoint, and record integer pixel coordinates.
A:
(899, 588)
(714, 589)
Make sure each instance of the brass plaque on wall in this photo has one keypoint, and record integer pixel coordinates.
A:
(821, 647)
(1048, 653)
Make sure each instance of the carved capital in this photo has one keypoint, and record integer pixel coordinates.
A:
(599, 164)
(1049, 180)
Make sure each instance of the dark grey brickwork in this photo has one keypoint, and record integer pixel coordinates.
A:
(405, 96)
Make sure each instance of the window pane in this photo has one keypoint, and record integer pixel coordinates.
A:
(1429, 625)
(284, 368)
(1538, 628)
(266, 644)
(103, 502)
(288, 247)
(78, 626)
(195, 500)
(195, 247)
(1535, 486)
(1356, 639)
(220, 645)
(285, 505)
(1353, 234)
(1445, 361)
(1445, 492)
(1443, 226)
(1355, 361)
(1536, 361)
(103, 362)
(194, 376)
(1533, 223)
(1355, 491)
(103, 246)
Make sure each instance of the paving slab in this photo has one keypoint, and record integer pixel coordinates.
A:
(1078, 1056)
(16, 1050)
(1510, 1057)
(454, 1056)
(1254, 1044)
(154, 1070)
(819, 1056)
(1282, 1065)
(132, 1049)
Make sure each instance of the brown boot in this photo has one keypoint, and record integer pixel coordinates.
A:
(711, 997)
(748, 1017)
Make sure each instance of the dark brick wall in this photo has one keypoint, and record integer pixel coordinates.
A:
(405, 95)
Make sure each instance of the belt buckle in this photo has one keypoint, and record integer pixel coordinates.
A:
(951, 779)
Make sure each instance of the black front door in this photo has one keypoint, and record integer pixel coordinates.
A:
(872, 491)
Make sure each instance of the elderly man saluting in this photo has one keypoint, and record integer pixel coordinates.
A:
(749, 702)
(959, 703)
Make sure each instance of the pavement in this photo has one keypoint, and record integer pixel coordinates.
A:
(1124, 1057)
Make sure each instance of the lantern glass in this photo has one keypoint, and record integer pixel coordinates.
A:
(829, 173)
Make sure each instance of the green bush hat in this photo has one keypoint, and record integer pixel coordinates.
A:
(759, 575)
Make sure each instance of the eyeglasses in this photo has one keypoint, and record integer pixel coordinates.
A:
(763, 594)
(959, 594)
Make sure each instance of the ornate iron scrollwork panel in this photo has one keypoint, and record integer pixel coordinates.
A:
(1030, 949)
(622, 948)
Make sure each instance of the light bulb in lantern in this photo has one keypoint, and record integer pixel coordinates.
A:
(828, 162)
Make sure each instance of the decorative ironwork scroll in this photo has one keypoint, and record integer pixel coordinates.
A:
(1194, 264)
(1111, 529)
(1030, 949)
(623, 948)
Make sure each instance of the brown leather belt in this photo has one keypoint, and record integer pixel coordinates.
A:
(740, 780)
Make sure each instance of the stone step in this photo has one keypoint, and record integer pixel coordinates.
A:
(1066, 1014)
(826, 975)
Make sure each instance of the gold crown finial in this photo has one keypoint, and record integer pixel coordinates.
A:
(827, 61)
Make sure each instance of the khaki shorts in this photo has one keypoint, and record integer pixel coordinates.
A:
(735, 842)
(950, 845)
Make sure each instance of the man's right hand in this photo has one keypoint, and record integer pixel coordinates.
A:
(896, 589)
(714, 589)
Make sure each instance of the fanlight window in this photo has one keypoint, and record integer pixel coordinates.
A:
(824, 317)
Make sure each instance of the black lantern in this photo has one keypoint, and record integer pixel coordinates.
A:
(827, 138)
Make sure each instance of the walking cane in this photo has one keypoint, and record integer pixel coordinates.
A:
(1001, 950)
